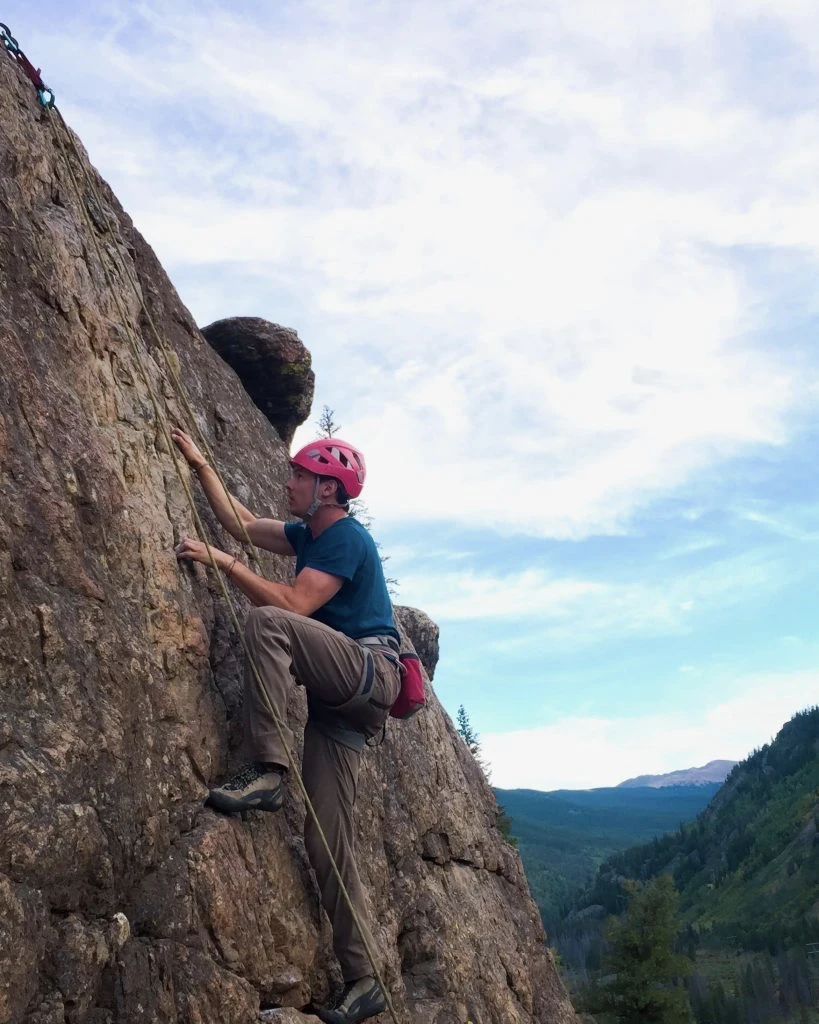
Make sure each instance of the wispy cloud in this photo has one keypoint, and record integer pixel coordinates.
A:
(803, 526)
(470, 595)
(586, 611)
(581, 752)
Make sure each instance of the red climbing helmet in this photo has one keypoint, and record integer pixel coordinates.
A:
(330, 456)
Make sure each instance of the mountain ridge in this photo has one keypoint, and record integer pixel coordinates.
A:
(714, 771)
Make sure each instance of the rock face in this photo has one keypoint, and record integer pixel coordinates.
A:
(121, 898)
(423, 633)
(272, 364)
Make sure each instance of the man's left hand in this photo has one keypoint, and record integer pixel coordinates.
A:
(190, 550)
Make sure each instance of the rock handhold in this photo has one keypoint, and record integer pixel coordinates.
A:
(272, 364)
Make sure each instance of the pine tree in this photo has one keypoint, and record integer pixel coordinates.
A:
(467, 733)
(326, 424)
(471, 739)
(646, 970)
(795, 985)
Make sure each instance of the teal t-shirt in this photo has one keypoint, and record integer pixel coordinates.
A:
(362, 606)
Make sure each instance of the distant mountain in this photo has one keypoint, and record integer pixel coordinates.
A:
(748, 867)
(714, 771)
(565, 835)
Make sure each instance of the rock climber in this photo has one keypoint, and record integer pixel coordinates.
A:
(331, 629)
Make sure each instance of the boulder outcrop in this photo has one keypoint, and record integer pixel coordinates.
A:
(423, 633)
(272, 364)
(121, 898)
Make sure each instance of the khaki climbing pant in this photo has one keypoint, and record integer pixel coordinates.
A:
(288, 647)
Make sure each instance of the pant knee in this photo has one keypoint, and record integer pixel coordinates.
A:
(253, 619)
(264, 619)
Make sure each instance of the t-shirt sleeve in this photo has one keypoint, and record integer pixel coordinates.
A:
(294, 533)
(338, 552)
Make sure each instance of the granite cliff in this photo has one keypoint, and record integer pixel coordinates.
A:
(121, 898)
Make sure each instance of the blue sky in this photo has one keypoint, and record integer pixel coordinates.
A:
(556, 266)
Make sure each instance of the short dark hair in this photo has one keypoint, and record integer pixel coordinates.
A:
(342, 497)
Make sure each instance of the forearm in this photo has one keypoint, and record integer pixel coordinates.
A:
(264, 592)
(220, 501)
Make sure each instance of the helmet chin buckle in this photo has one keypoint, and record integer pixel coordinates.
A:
(311, 509)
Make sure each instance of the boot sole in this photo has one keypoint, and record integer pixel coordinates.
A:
(266, 800)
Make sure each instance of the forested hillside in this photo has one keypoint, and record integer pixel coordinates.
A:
(747, 868)
(565, 835)
(747, 873)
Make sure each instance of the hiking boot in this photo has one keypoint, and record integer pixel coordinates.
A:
(256, 788)
(360, 1000)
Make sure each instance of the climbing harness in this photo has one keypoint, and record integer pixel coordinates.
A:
(333, 720)
(47, 100)
(411, 696)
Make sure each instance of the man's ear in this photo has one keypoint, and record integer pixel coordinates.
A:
(329, 489)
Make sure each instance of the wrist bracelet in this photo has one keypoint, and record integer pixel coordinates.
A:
(229, 569)
(200, 466)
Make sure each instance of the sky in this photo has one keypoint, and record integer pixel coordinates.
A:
(555, 264)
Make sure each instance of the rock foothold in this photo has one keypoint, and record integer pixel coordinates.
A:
(273, 366)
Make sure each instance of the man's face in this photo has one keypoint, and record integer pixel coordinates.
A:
(300, 489)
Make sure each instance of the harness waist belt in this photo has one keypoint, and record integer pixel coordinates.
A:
(384, 640)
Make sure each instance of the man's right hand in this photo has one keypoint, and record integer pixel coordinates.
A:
(184, 442)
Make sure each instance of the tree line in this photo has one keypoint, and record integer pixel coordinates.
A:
(639, 968)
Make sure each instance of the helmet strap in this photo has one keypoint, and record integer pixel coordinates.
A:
(317, 503)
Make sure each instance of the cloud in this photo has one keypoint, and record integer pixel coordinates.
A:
(471, 595)
(582, 612)
(789, 528)
(517, 238)
(579, 752)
